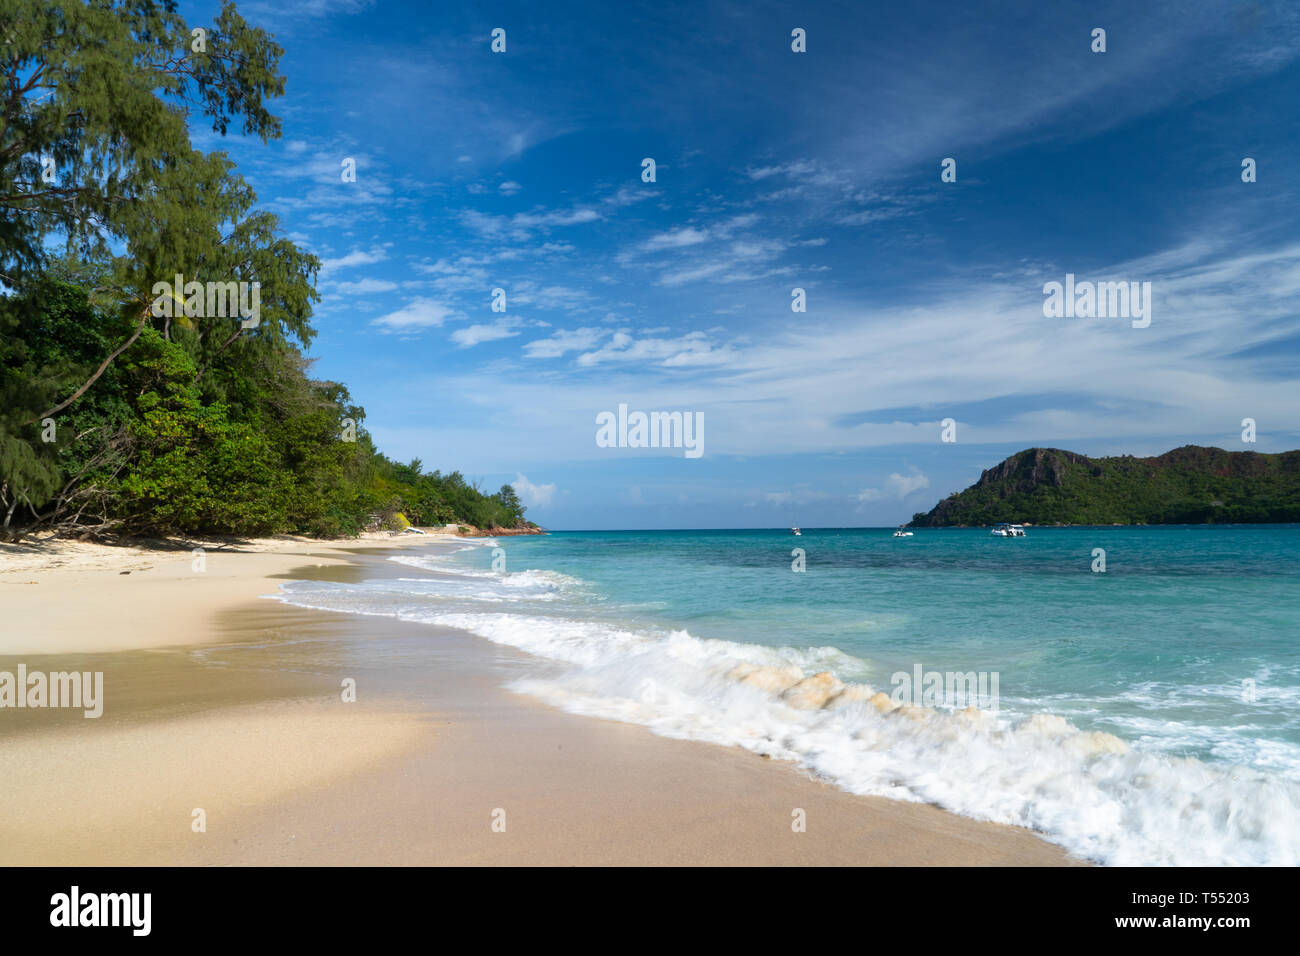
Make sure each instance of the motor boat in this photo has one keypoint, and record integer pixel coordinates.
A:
(900, 533)
(1004, 530)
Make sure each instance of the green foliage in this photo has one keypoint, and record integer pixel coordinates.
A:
(1189, 485)
(436, 499)
(49, 338)
(254, 447)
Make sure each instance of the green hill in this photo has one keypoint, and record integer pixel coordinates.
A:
(1189, 485)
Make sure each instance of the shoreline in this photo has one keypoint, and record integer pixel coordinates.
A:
(237, 711)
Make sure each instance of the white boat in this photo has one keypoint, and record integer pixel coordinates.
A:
(796, 531)
(900, 533)
(1004, 530)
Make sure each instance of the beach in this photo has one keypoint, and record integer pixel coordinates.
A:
(240, 730)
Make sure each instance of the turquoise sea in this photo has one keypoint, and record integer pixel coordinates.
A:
(1144, 714)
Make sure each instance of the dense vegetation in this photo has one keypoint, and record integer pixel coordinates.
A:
(1189, 485)
(118, 415)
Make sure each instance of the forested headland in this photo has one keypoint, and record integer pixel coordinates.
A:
(1188, 485)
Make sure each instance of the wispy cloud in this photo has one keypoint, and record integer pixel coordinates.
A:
(896, 486)
(564, 341)
(693, 348)
(357, 257)
(417, 314)
(503, 328)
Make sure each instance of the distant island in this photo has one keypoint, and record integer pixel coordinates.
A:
(1189, 485)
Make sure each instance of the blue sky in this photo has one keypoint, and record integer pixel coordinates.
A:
(777, 170)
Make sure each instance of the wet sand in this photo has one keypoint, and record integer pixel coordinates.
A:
(221, 702)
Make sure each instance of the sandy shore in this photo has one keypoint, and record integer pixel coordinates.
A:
(69, 597)
(228, 710)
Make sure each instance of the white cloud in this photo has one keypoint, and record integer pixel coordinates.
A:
(896, 486)
(687, 236)
(357, 257)
(677, 238)
(564, 341)
(741, 253)
(509, 188)
(527, 292)
(533, 495)
(798, 168)
(693, 348)
(1216, 346)
(416, 314)
(521, 225)
(473, 335)
(363, 287)
(443, 267)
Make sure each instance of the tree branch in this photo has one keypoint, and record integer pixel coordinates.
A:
(144, 317)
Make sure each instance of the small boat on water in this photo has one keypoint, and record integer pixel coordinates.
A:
(900, 533)
(1004, 530)
(796, 531)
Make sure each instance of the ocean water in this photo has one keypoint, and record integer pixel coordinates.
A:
(1147, 714)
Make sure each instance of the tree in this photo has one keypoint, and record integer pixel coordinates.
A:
(510, 501)
(95, 152)
(96, 105)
